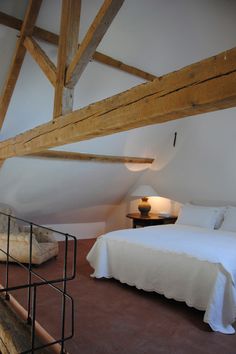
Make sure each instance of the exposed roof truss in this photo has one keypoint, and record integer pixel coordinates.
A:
(72, 60)
(202, 87)
(205, 86)
(53, 38)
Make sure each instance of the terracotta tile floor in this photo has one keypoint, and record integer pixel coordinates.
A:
(112, 318)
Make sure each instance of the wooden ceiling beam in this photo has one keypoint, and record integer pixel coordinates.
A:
(52, 38)
(77, 156)
(206, 86)
(107, 60)
(68, 43)
(10, 21)
(93, 37)
(13, 73)
(41, 59)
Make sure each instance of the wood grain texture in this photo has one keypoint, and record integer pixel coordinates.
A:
(15, 334)
(206, 86)
(18, 57)
(68, 42)
(93, 37)
(53, 39)
(77, 156)
(41, 333)
(41, 59)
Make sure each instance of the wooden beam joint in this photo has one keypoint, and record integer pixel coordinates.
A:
(92, 39)
(210, 84)
(52, 38)
(41, 59)
(68, 42)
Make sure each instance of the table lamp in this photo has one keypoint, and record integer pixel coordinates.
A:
(144, 192)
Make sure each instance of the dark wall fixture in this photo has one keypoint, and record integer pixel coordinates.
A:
(175, 138)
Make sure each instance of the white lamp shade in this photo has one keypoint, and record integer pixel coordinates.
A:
(144, 191)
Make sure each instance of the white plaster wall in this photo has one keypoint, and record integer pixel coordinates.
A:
(55, 191)
(203, 167)
(80, 231)
(158, 36)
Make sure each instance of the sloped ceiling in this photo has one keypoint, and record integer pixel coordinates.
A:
(157, 36)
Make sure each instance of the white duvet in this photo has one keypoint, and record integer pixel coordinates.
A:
(186, 263)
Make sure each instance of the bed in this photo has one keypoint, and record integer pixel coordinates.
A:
(187, 263)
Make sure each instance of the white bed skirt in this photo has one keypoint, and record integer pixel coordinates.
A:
(200, 284)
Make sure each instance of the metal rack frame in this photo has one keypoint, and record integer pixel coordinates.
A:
(33, 286)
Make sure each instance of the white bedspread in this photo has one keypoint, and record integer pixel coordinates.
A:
(186, 263)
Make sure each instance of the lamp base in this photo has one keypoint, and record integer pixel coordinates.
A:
(144, 207)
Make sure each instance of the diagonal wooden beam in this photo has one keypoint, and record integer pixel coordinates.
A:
(107, 60)
(206, 86)
(53, 39)
(41, 59)
(12, 76)
(91, 40)
(68, 42)
(77, 156)
(10, 21)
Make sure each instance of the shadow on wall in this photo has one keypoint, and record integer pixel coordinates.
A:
(161, 142)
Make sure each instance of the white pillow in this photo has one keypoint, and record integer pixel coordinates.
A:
(229, 223)
(196, 215)
(221, 212)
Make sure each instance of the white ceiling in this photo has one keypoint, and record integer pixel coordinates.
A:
(158, 36)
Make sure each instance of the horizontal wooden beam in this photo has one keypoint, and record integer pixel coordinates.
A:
(53, 38)
(41, 59)
(93, 37)
(206, 86)
(66, 155)
(10, 21)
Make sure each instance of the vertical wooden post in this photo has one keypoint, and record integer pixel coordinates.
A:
(68, 44)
